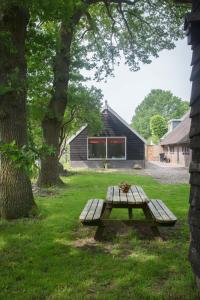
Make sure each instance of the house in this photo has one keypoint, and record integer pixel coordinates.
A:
(116, 146)
(175, 143)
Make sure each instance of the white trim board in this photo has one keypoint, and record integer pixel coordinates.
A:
(107, 137)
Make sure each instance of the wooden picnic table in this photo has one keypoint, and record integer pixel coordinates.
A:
(134, 199)
(97, 211)
(115, 198)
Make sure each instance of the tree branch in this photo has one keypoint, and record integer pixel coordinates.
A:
(121, 12)
(129, 2)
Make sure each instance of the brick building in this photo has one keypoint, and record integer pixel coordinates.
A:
(175, 144)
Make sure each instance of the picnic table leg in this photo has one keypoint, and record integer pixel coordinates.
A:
(153, 227)
(100, 229)
(130, 213)
(107, 211)
(99, 233)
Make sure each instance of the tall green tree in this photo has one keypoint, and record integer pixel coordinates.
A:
(16, 198)
(158, 126)
(157, 102)
(136, 29)
(84, 107)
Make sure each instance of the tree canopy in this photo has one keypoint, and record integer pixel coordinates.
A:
(158, 126)
(48, 36)
(157, 102)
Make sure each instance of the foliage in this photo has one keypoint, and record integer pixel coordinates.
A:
(83, 103)
(54, 257)
(137, 30)
(106, 30)
(24, 157)
(160, 102)
(84, 107)
(158, 126)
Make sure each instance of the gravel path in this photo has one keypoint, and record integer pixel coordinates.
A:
(166, 173)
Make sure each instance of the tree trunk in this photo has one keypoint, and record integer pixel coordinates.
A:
(49, 174)
(16, 197)
(194, 211)
(51, 125)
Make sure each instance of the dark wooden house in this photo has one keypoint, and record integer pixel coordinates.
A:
(116, 146)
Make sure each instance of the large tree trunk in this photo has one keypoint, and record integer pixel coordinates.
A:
(51, 125)
(16, 198)
(194, 212)
(49, 173)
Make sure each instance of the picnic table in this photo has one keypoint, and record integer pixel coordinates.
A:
(135, 198)
(97, 211)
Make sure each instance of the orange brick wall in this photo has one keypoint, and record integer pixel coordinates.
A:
(153, 152)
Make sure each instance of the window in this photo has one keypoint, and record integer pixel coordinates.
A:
(185, 150)
(165, 148)
(171, 149)
(116, 148)
(96, 148)
(107, 148)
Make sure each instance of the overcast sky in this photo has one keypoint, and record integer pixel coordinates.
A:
(171, 71)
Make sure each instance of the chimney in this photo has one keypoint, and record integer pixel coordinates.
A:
(172, 124)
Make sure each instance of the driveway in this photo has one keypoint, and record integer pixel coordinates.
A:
(166, 173)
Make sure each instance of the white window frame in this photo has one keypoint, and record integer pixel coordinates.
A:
(106, 137)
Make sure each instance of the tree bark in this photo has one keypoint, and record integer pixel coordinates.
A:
(49, 173)
(194, 211)
(16, 197)
(51, 125)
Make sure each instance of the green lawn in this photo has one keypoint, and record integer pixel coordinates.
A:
(54, 257)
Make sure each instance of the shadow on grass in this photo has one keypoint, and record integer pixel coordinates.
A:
(56, 258)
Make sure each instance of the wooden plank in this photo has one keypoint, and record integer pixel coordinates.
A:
(136, 195)
(195, 55)
(195, 94)
(92, 210)
(132, 192)
(130, 197)
(142, 193)
(167, 211)
(161, 212)
(154, 211)
(195, 72)
(123, 196)
(116, 197)
(84, 213)
(109, 196)
(98, 211)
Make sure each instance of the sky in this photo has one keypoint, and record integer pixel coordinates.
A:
(170, 71)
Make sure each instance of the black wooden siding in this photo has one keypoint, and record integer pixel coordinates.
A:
(78, 147)
(135, 148)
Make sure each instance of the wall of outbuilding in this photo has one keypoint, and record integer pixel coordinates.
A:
(112, 127)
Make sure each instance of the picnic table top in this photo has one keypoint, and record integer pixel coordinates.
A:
(135, 196)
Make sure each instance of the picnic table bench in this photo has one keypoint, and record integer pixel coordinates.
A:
(97, 211)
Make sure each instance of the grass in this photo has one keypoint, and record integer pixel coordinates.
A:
(54, 257)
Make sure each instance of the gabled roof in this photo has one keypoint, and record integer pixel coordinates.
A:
(107, 107)
(180, 134)
(123, 121)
